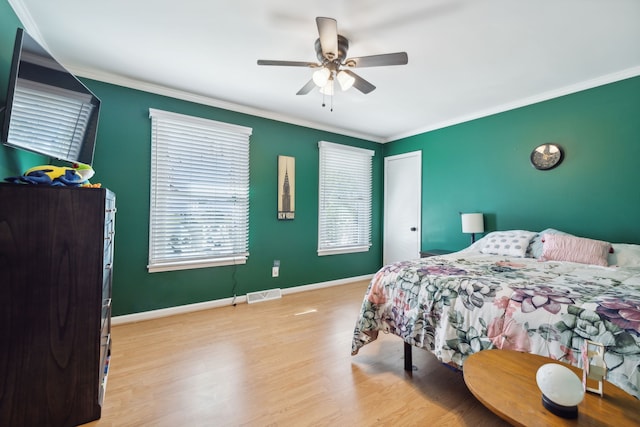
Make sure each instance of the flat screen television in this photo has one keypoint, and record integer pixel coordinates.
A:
(49, 111)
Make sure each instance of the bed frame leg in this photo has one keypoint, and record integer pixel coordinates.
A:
(408, 357)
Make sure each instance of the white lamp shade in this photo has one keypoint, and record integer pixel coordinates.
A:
(321, 77)
(559, 384)
(472, 223)
(346, 80)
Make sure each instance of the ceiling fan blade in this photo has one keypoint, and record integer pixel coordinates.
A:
(328, 31)
(398, 58)
(306, 88)
(361, 84)
(288, 63)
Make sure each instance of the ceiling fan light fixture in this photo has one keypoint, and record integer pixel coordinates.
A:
(346, 80)
(331, 50)
(327, 89)
(321, 77)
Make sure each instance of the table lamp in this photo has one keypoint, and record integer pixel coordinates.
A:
(472, 223)
(561, 389)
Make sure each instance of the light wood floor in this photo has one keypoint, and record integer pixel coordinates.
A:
(284, 362)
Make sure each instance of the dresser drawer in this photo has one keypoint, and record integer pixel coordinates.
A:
(106, 313)
(105, 357)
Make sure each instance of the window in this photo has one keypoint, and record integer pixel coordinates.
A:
(199, 213)
(344, 220)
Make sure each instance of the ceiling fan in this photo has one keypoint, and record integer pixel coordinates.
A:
(331, 50)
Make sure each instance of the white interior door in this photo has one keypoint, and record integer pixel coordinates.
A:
(402, 207)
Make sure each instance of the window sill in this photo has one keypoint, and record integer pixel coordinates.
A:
(338, 251)
(188, 265)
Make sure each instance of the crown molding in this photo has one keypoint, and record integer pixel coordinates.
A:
(545, 96)
(212, 102)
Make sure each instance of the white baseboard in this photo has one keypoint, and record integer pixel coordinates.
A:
(172, 311)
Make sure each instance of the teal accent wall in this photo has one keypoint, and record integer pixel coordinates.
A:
(122, 163)
(483, 166)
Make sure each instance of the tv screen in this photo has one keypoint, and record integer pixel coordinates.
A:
(49, 111)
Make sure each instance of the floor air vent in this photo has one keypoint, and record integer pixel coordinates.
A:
(263, 295)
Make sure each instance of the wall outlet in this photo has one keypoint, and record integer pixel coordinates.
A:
(275, 271)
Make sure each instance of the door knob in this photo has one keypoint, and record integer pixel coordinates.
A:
(414, 229)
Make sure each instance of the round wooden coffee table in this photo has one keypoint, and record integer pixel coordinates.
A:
(505, 382)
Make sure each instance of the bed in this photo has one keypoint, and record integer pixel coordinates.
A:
(537, 292)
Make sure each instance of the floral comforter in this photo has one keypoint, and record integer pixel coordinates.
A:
(459, 304)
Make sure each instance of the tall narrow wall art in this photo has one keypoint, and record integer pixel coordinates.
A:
(286, 187)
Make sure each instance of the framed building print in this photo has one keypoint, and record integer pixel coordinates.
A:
(286, 187)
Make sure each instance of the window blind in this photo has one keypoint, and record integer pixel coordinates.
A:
(49, 118)
(344, 219)
(199, 213)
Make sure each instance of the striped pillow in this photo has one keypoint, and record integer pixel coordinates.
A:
(559, 247)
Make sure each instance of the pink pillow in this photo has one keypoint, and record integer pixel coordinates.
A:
(558, 247)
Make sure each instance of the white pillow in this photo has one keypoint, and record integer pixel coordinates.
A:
(507, 243)
(625, 255)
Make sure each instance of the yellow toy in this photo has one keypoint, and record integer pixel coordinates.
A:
(75, 176)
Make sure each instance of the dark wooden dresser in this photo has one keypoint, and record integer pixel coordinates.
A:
(56, 255)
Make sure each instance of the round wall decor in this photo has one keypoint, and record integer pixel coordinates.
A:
(546, 156)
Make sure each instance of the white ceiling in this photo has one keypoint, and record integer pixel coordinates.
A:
(467, 58)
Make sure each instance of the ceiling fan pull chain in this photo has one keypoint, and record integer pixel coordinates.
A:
(324, 104)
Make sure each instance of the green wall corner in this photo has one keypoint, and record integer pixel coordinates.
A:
(483, 166)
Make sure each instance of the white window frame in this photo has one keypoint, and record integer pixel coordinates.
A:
(199, 204)
(345, 198)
